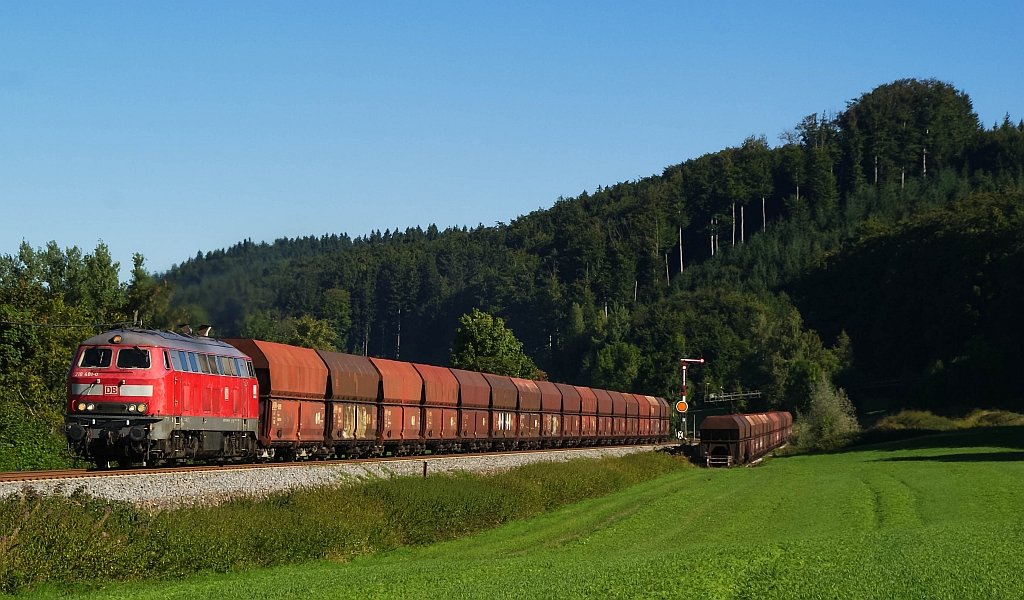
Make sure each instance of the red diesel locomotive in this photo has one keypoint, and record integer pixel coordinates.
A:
(134, 393)
(143, 395)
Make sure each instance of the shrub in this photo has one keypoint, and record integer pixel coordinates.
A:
(830, 421)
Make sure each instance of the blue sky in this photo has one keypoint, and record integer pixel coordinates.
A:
(172, 128)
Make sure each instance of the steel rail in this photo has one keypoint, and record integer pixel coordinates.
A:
(19, 476)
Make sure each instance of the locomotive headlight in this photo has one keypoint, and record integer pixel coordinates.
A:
(90, 406)
(142, 408)
(81, 406)
(131, 408)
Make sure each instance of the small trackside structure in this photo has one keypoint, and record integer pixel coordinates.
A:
(727, 440)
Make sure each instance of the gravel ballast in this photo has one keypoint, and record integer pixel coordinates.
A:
(192, 487)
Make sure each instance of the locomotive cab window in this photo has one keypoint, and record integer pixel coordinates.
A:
(175, 360)
(132, 358)
(204, 363)
(95, 358)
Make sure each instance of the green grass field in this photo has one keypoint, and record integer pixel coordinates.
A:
(940, 516)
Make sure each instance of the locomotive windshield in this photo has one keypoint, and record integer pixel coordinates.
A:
(95, 358)
(132, 358)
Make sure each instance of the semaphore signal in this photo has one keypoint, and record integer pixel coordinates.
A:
(682, 405)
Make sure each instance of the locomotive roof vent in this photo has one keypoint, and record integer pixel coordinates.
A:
(185, 329)
(204, 330)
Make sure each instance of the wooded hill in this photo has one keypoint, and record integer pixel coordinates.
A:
(880, 246)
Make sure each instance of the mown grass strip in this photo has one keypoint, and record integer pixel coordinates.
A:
(78, 539)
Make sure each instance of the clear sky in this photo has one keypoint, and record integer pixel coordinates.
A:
(171, 128)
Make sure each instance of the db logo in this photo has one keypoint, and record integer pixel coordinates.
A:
(110, 390)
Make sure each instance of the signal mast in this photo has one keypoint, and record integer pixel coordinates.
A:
(682, 406)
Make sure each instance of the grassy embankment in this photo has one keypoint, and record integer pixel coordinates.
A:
(937, 516)
(80, 540)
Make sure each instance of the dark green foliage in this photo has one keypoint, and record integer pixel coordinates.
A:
(261, 325)
(50, 286)
(308, 332)
(617, 366)
(483, 343)
(338, 313)
(30, 439)
(69, 540)
(907, 127)
(935, 298)
(34, 360)
(751, 342)
(147, 300)
(556, 276)
(595, 287)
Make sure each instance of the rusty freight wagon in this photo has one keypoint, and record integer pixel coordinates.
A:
(143, 395)
(727, 440)
(474, 416)
(529, 412)
(440, 412)
(353, 386)
(504, 404)
(588, 416)
(292, 393)
(401, 406)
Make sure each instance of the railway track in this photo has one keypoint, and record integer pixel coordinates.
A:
(26, 476)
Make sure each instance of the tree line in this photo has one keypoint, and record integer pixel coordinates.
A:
(783, 265)
(611, 286)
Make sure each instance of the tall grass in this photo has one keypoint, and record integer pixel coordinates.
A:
(922, 420)
(903, 425)
(64, 540)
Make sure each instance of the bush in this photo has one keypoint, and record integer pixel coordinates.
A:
(830, 421)
(29, 441)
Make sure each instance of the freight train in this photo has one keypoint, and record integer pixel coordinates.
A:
(138, 395)
(727, 440)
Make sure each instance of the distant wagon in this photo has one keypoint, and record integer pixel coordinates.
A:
(727, 440)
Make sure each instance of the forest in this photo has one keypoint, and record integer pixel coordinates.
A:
(879, 247)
